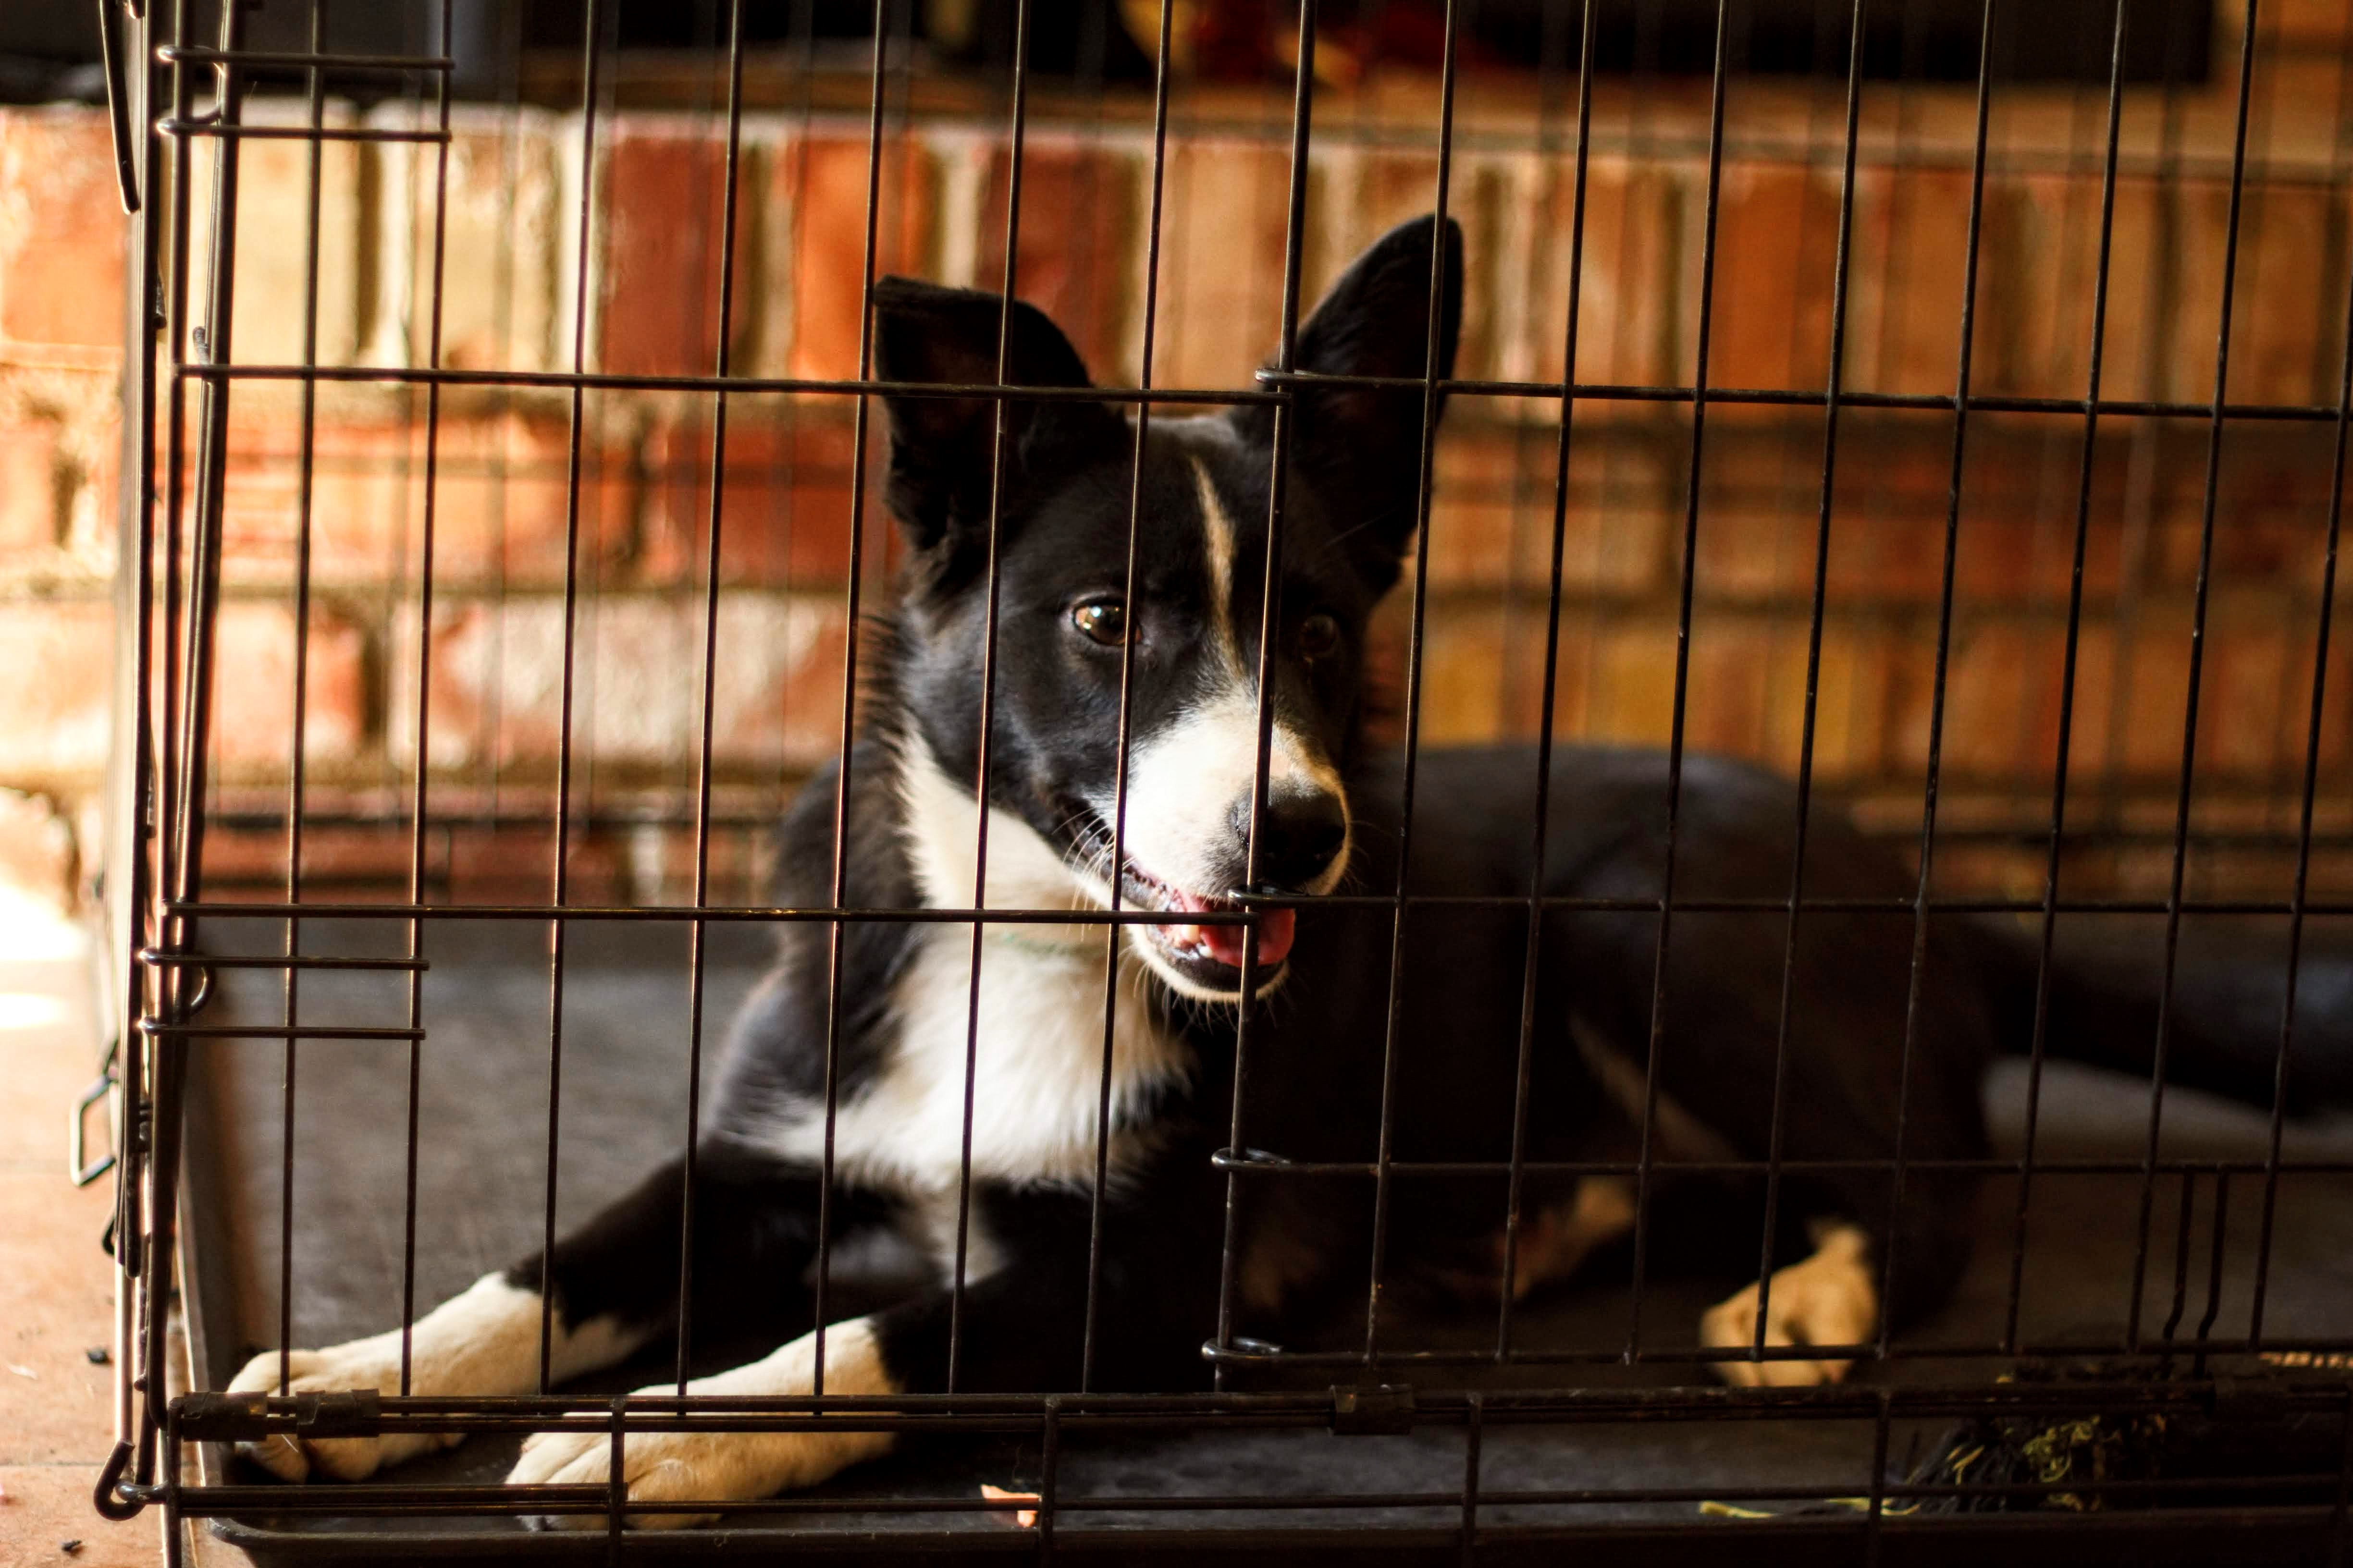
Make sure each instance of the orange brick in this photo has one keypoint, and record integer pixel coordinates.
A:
(1221, 262)
(501, 498)
(2290, 318)
(665, 204)
(498, 669)
(821, 179)
(2250, 722)
(1775, 247)
(1081, 250)
(62, 232)
(253, 685)
(1625, 312)
(2287, 331)
(29, 509)
(1492, 503)
(54, 712)
(2036, 296)
(1907, 269)
(785, 503)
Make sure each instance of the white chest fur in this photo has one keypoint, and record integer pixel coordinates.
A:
(1035, 1045)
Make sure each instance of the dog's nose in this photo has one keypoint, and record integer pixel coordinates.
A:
(1301, 833)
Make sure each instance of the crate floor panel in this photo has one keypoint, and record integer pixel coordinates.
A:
(483, 1081)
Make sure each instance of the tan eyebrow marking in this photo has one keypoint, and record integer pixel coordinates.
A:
(1218, 536)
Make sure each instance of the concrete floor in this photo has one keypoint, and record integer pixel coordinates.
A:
(56, 1285)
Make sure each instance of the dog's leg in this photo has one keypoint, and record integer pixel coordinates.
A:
(1020, 1330)
(1829, 1299)
(675, 1467)
(611, 1286)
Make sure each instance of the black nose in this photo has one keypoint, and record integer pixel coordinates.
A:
(1302, 832)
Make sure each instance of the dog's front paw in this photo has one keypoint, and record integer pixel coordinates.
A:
(683, 1466)
(1828, 1300)
(362, 1363)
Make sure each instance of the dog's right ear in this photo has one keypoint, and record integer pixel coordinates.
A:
(943, 448)
(1361, 445)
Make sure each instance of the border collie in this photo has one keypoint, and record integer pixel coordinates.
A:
(1741, 1048)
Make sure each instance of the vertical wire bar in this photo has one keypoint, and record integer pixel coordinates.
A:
(697, 931)
(1294, 242)
(1115, 874)
(1658, 1027)
(1932, 786)
(836, 930)
(1874, 1517)
(203, 566)
(617, 1490)
(2183, 1220)
(176, 1529)
(2296, 896)
(419, 787)
(137, 999)
(1524, 1068)
(1836, 383)
(1050, 1478)
(502, 403)
(171, 987)
(316, 107)
(2195, 676)
(560, 882)
(204, 593)
(2065, 750)
(1439, 260)
(989, 683)
(2214, 1254)
(1475, 1425)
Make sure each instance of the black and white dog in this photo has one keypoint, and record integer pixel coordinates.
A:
(1736, 1055)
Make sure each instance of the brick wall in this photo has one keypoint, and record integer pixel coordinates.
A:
(501, 457)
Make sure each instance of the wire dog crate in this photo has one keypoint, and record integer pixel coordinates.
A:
(1943, 404)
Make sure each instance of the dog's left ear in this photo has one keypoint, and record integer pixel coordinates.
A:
(943, 448)
(1361, 446)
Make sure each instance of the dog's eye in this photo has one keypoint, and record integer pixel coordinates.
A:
(1319, 637)
(1102, 620)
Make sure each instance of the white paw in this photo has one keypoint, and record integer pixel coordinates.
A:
(1828, 1300)
(683, 1466)
(362, 1363)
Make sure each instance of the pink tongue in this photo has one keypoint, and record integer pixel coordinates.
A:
(1226, 942)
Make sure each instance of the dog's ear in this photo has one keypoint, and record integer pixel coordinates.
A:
(942, 448)
(1361, 446)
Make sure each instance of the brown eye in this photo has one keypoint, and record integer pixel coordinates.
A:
(1102, 620)
(1319, 637)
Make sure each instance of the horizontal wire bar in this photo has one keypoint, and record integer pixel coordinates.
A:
(150, 957)
(194, 54)
(1595, 392)
(366, 1499)
(560, 380)
(717, 912)
(198, 909)
(706, 1411)
(1807, 398)
(174, 126)
(273, 1032)
(1277, 1355)
(360, 1499)
(1259, 1162)
(622, 819)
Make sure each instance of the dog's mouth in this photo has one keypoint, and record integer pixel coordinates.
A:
(1205, 953)
(1209, 952)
